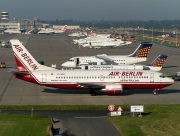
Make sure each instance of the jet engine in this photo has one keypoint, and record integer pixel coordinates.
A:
(113, 89)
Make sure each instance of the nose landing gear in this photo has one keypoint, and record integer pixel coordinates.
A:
(92, 92)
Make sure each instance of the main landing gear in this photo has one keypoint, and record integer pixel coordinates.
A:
(92, 92)
(157, 89)
(154, 92)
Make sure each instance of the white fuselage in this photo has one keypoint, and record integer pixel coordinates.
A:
(119, 67)
(106, 43)
(12, 31)
(129, 79)
(120, 60)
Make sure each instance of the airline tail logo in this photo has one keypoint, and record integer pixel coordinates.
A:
(25, 57)
(93, 32)
(64, 28)
(159, 61)
(24, 60)
(142, 50)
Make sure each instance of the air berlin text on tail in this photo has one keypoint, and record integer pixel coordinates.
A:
(26, 57)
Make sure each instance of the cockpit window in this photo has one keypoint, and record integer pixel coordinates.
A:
(163, 76)
(70, 60)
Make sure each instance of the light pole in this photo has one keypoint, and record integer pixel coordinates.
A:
(152, 34)
(143, 33)
(163, 34)
(176, 39)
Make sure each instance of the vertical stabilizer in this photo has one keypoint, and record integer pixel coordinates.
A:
(142, 50)
(159, 61)
(64, 28)
(24, 60)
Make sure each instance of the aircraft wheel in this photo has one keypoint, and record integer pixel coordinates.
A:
(92, 92)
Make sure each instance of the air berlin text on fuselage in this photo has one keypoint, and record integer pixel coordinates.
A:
(26, 57)
(128, 73)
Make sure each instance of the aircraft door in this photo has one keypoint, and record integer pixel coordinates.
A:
(77, 61)
(127, 61)
(151, 77)
(102, 78)
(86, 67)
(44, 78)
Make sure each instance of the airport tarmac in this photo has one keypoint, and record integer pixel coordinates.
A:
(56, 49)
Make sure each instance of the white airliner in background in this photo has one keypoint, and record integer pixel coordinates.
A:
(96, 37)
(110, 81)
(52, 31)
(12, 31)
(106, 43)
(63, 30)
(156, 65)
(77, 34)
(139, 55)
(100, 41)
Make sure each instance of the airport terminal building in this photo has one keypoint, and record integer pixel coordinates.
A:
(26, 24)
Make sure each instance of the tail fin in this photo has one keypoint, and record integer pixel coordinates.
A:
(159, 61)
(64, 28)
(142, 50)
(24, 60)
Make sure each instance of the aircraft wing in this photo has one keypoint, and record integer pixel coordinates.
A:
(90, 85)
(106, 59)
(19, 73)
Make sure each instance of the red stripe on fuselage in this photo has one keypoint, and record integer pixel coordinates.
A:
(125, 86)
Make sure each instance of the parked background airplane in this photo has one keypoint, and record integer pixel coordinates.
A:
(100, 41)
(63, 30)
(110, 81)
(52, 31)
(139, 55)
(156, 65)
(5, 44)
(103, 43)
(9, 31)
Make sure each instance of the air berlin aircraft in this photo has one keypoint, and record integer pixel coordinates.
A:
(110, 81)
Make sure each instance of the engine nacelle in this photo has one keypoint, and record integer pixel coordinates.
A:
(113, 89)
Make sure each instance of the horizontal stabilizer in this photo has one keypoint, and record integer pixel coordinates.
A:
(20, 73)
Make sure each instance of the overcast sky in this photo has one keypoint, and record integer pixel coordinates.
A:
(144, 10)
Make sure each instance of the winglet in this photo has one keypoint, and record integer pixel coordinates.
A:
(142, 50)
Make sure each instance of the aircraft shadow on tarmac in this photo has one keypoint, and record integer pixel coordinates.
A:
(149, 91)
(125, 92)
(170, 66)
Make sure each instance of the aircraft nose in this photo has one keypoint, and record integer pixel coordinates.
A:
(65, 64)
(171, 80)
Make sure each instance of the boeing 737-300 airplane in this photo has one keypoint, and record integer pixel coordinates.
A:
(110, 81)
(139, 55)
